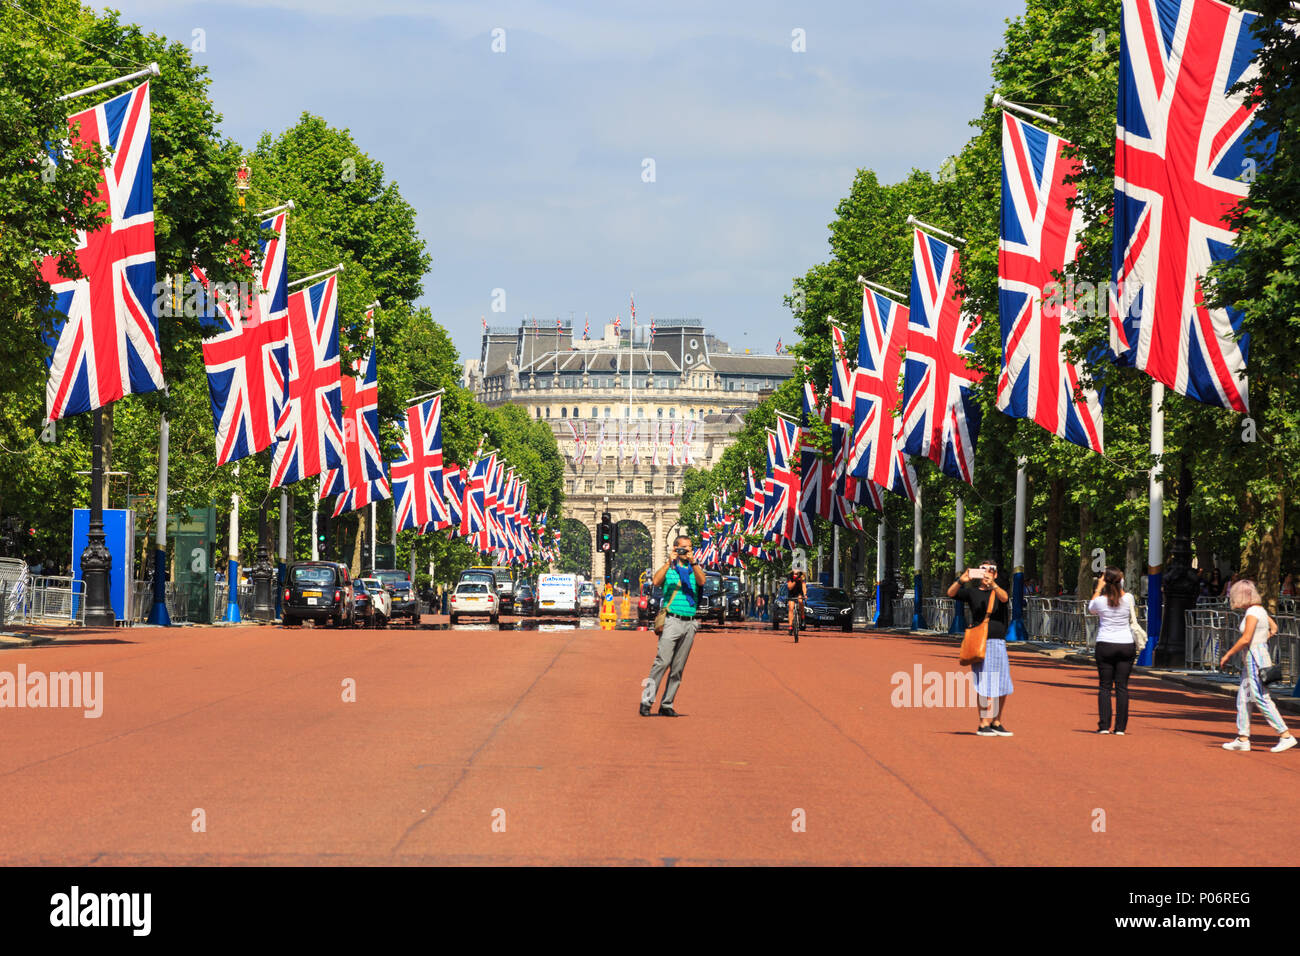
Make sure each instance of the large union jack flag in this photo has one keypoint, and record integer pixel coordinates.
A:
(815, 490)
(309, 432)
(473, 522)
(247, 357)
(418, 490)
(782, 504)
(876, 454)
(941, 418)
(1179, 159)
(363, 467)
(105, 339)
(1040, 237)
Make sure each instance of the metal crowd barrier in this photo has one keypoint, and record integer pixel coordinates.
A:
(221, 597)
(904, 609)
(55, 599)
(938, 613)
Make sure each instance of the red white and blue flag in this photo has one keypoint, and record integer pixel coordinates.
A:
(1040, 237)
(309, 432)
(876, 454)
(105, 338)
(473, 522)
(418, 490)
(1180, 151)
(782, 505)
(941, 418)
(362, 462)
(815, 491)
(247, 356)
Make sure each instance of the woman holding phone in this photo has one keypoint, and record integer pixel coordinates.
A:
(1116, 648)
(976, 588)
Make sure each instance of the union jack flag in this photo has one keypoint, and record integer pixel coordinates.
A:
(362, 462)
(247, 359)
(877, 454)
(783, 500)
(814, 490)
(417, 476)
(1179, 150)
(1040, 236)
(941, 418)
(454, 484)
(309, 433)
(358, 496)
(839, 412)
(586, 327)
(472, 523)
(105, 340)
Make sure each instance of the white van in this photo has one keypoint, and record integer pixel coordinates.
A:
(557, 594)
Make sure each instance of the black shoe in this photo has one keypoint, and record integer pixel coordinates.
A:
(668, 712)
(645, 710)
(985, 732)
(1000, 731)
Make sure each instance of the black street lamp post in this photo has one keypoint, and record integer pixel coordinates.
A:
(263, 572)
(96, 559)
(861, 592)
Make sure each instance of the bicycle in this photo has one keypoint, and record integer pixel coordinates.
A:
(796, 618)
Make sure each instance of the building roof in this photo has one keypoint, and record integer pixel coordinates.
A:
(734, 364)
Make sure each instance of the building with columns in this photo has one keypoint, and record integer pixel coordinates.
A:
(642, 412)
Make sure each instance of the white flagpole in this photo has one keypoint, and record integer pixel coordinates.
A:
(150, 70)
(925, 227)
(315, 519)
(1016, 632)
(1006, 104)
(232, 559)
(158, 612)
(1156, 526)
(918, 609)
(318, 275)
(958, 625)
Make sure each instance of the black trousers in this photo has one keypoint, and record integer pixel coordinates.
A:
(1114, 665)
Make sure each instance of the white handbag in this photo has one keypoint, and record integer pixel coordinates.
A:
(1139, 635)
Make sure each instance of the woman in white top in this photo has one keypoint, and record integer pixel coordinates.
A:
(1116, 649)
(1256, 628)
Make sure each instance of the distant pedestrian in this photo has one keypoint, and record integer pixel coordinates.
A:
(982, 595)
(1288, 585)
(1116, 648)
(1257, 626)
(682, 580)
(1216, 583)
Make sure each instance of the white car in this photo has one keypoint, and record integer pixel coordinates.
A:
(587, 600)
(383, 601)
(474, 597)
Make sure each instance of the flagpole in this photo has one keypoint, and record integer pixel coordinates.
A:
(925, 227)
(319, 275)
(150, 70)
(315, 521)
(158, 613)
(958, 625)
(232, 558)
(883, 616)
(918, 608)
(882, 288)
(1000, 102)
(1156, 520)
(1016, 632)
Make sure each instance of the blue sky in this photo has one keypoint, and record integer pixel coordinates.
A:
(525, 167)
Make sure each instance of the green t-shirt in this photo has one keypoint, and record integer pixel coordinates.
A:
(679, 597)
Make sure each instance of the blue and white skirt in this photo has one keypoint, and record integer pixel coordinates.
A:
(993, 674)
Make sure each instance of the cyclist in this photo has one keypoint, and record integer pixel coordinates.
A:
(796, 591)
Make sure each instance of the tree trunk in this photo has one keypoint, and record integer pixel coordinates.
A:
(1084, 583)
(1133, 549)
(1052, 539)
(1262, 539)
(356, 546)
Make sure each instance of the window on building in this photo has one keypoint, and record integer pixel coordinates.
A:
(670, 487)
(731, 386)
(609, 486)
(575, 412)
(588, 486)
(627, 411)
(649, 487)
(595, 412)
(627, 487)
(640, 413)
(569, 488)
(564, 413)
(660, 413)
(607, 411)
(672, 413)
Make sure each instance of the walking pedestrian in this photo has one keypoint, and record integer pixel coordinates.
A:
(1116, 648)
(682, 580)
(978, 589)
(1257, 626)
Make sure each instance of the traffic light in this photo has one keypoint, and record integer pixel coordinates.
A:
(605, 534)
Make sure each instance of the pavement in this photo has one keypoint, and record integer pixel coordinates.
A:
(473, 745)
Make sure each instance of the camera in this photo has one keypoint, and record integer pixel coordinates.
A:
(683, 551)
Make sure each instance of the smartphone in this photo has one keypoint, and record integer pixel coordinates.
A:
(976, 574)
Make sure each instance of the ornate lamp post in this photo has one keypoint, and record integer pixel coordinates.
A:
(96, 559)
(861, 592)
(263, 572)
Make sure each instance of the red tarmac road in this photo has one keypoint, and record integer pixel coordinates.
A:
(453, 730)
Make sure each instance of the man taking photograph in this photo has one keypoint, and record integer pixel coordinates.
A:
(682, 580)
